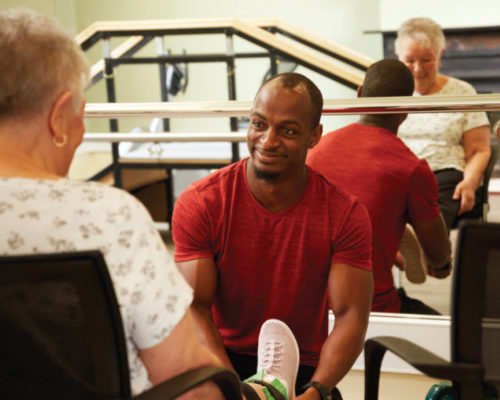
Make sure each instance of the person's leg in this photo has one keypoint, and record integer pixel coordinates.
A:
(277, 359)
(414, 306)
(259, 391)
(274, 371)
(447, 181)
(245, 366)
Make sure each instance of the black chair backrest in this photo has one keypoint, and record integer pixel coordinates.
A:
(476, 297)
(61, 330)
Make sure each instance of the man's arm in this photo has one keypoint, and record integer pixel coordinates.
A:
(350, 291)
(201, 274)
(178, 352)
(433, 237)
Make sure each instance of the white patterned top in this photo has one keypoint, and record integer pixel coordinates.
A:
(42, 216)
(438, 137)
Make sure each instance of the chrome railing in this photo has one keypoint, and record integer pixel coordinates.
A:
(365, 105)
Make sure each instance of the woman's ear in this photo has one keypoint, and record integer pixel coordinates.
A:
(59, 115)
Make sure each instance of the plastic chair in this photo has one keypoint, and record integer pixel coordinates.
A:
(62, 334)
(475, 322)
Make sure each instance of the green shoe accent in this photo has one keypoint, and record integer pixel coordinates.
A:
(276, 383)
(259, 376)
(268, 395)
(281, 388)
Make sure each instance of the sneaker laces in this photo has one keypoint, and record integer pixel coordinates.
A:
(273, 355)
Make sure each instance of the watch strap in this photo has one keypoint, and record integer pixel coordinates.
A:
(322, 389)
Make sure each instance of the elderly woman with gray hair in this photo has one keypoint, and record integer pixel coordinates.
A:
(456, 145)
(42, 101)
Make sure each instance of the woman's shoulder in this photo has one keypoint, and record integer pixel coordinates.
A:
(457, 87)
(90, 194)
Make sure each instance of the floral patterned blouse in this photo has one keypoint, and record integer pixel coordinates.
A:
(438, 137)
(42, 216)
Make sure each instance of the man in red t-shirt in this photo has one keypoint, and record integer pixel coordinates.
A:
(368, 160)
(267, 237)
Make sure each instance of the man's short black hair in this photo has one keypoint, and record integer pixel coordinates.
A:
(291, 80)
(388, 78)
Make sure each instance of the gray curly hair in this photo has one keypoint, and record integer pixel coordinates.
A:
(423, 30)
(39, 61)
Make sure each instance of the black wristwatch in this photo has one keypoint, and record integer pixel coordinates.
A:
(322, 389)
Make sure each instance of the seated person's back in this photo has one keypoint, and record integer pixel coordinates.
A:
(368, 160)
(41, 124)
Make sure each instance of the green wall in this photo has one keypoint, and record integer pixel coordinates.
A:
(342, 21)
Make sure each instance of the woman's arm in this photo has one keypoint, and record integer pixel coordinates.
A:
(477, 154)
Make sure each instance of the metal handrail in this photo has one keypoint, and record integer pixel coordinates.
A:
(166, 137)
(365, 105)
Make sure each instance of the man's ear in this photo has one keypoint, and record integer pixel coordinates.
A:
(360, 88)
(316, 136)
(58, 116)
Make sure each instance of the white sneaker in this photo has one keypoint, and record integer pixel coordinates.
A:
(415, 265)
(278, 355)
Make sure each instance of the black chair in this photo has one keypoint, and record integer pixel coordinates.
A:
(475, 322)
(61, 334)
(481, 207)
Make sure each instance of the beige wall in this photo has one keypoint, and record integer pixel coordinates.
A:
(342, 21)
(448, 13)
(45, 6)
(63, 10)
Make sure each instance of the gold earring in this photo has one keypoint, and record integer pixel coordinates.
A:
(62, 142)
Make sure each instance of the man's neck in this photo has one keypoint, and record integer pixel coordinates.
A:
(387, 122)
(277, 194)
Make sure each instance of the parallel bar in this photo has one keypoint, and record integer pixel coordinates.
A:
(372, 105)
(166, 137)
(190, 58)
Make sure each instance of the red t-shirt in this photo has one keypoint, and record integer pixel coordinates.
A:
(270, 265)
(396, 187)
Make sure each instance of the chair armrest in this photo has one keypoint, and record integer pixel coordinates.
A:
(226, 379)
(415, 355)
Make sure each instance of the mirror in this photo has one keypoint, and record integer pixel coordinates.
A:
(435, 292)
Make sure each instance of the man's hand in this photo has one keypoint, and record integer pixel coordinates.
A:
(440, 273)
(467, 195)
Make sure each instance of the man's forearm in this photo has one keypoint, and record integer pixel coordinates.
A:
(209, 335)
(340, 350)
